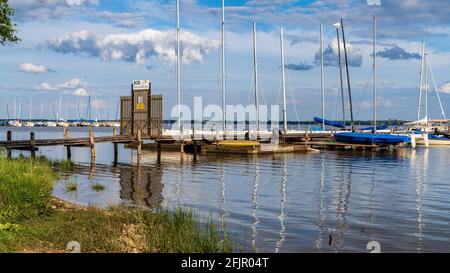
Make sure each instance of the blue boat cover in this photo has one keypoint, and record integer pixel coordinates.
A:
(367, 138)
(338, 124)
(379, 127)
(430, 136)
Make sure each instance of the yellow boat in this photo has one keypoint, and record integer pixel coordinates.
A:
(238, 143)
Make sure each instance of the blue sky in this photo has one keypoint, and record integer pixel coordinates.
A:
(75, 48)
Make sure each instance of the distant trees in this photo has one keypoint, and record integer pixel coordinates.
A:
(7, 28)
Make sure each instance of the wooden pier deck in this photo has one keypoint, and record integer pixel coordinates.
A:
(27, 144)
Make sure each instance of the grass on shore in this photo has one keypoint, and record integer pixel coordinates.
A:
(31, 220)
(98, 187)
(71, 186)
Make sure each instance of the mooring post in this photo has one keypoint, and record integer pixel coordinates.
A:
(92, 143)
(116, 153)
(9, 138)
(33, 145)
(139, 142)
(68, 148)
(158, 144)
(66, 133)
(115, 131)
(139, 147)
(195, 150)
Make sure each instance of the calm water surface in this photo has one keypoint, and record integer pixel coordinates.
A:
(281, 203)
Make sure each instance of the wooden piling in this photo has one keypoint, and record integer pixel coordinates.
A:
(195, 150)
(33, 145)
(92, 143)
(9, 138)
(139, 142)
(116, 153)
(159, 152)
(139, 147)
(68, 148)
(66, 133)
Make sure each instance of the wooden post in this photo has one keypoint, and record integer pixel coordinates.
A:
(195, 150)
(116, 153)
(9, 138)
(68, 148)
(139, 147)
(139, 142)
(115, 131)
(69, 152)
(92, 143)
(66, 133)
(33, 145)
(159, 152)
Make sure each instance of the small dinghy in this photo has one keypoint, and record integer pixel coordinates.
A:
(369, 139)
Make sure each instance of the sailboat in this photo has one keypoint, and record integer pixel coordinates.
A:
(29, 123)
(431, 128)
(374, 137)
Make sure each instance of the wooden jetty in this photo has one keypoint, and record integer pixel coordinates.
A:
(33, 144)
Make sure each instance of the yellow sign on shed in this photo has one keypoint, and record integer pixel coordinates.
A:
(140, 106)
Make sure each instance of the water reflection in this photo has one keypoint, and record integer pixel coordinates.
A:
(282, 206)
(421, 175)
(142, 185)
(344, 191)
(255, 218)
(321, 226)
(224, 213)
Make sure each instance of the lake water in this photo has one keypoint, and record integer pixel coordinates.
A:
(319, 202)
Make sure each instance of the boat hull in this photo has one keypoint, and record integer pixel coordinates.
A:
(367, 138)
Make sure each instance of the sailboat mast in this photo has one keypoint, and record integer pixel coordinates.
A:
(41, 112)
(20, 109)
(374, 75)
(178, 66)
(30, 109)
(224, 110)
(255, 74)
(7, 112)
(426, 89)
(283, 80)
(322, 85)
(337, 25)
(348, 76)
(421, 83)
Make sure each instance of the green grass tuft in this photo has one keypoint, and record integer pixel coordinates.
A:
(66, 166)
(71, 186)
(98, 187)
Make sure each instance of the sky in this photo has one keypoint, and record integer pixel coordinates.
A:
(73, 49)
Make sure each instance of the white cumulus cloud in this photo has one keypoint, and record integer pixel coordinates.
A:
(445, 88)
(80, 92)
(73, 84)
(46, 86)
(135, 47)
(331, 55)
(32, 68)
